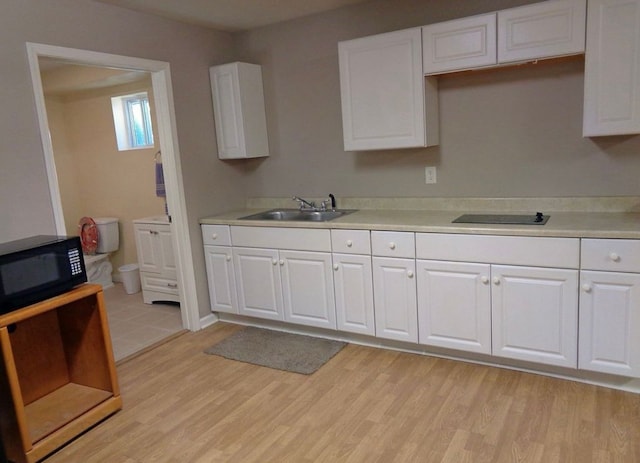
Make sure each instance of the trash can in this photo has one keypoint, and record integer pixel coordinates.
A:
(130, 278)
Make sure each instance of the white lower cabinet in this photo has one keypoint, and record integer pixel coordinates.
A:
(293, 286)
(307, 288)
(454, 305)
(535, 314)
(353, 281)
(221, 278)
(505, 296)
(291, 282)
(258, 283)
(395, 302)
(610, 307)
(610, 323)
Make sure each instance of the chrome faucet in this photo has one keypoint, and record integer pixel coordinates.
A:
(332, 200)
(304, 203)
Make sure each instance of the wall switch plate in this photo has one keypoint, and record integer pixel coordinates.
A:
(430, 174)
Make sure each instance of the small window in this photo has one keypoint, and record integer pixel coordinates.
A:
(132, 120)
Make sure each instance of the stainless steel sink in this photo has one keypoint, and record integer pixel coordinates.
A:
(298, 215)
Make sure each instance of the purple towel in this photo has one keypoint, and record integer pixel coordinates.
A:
(160, 190)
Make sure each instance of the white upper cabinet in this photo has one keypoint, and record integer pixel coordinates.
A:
(238, 106)
(386, 102)
(538, 31)
(541, 30)
(459, 44)
(612, 68)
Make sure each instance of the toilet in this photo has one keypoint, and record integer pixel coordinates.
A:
(97, 263)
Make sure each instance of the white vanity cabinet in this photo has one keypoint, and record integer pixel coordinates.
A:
(353, 281)
(610, 307)
(156, 259)
(386, 101)
(612, 68)
(534, 303)
(284, 274)
(394, 285)
(219, 265)
(454, 305)
(238, 105)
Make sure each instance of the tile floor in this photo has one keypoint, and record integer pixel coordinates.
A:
(135, 325)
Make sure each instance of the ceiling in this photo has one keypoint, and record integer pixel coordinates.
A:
(232, 15)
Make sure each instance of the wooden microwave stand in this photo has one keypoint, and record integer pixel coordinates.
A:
(57, 373)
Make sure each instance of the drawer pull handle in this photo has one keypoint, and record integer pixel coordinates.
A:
(153, 232)
(228, 258)
(214, 236)
(274, 262)
(496, 280)
(172, 285)
(484, 280)
(336, 267)
(281, 262)
(349, 243)
(614, 256)
(410, 273)
(392, 245)
(586, 288)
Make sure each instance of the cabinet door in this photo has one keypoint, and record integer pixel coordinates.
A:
(541, 30)
(612, 68)
(165, 244)
(353, 280)
(148, 248)
(307, 288)
(238, 104)
(383, 92)
(610, 323)
(395, 305)
(258, 282)
(454, 305)
(221, 279)
(535, 314)
(459, 44)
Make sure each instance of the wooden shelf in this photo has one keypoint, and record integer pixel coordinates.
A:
(45, 415)
(57, 373)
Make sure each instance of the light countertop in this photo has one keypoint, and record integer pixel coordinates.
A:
(560, 224)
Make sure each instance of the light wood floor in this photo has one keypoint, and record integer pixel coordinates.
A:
(365, 405)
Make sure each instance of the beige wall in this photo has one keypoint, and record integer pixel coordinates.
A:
(211, 186)
(95, 178)
(507, 132)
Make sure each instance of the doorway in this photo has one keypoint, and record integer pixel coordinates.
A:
(167, 139)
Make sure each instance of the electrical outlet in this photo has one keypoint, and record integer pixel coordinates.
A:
(430, 174)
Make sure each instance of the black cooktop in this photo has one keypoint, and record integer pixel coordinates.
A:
(506, 219)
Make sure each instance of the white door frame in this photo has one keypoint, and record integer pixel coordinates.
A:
(168, 139)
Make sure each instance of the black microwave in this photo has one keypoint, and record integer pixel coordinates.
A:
(37, 268)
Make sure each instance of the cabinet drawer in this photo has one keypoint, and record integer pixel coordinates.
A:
(297, 239)
(158, 283)
(216, 234)
(351, 241)
(610, 254)
(393, 244)
(510, 250)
